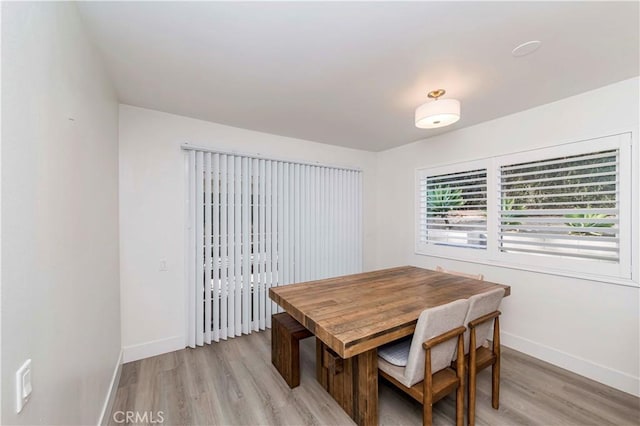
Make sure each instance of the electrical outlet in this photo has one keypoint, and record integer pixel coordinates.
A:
(23, 385)
(163, 265)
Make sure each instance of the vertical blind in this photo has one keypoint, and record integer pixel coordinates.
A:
(255, 223)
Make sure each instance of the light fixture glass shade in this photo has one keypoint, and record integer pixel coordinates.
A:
(438, 113)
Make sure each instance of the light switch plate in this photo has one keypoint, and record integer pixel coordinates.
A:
(23, 385)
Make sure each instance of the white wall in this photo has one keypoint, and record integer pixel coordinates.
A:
(588, 327)
(60, 272)
(152, 214)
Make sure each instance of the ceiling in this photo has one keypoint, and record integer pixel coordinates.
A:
(352, 74)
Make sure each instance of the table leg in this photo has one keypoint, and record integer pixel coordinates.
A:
(365, 394)
(352, 382)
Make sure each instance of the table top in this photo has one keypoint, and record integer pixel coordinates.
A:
(355, 313)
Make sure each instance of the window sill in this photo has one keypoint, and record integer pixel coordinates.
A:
(548, 271)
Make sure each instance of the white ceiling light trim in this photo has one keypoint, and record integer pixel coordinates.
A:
(526, 48)
(437, 113)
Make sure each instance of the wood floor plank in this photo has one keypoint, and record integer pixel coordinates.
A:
(234, 383)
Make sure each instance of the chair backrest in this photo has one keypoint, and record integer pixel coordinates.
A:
(460, 274)
(479, 305)
(431, 323)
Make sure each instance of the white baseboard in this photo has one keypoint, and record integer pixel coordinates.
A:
(153, 348)
(600, 373)
(111, 394)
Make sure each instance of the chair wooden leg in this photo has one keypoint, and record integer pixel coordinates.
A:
(471, 406)
(495, 368)
(460, 391)
(427, 412)
(427, 397)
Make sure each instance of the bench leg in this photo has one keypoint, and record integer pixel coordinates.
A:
(285, 354)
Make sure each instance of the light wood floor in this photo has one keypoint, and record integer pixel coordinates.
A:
(234, 383)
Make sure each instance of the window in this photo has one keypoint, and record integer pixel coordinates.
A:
(565, 208)
(454, 208)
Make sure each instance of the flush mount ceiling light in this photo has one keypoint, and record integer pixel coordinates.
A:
(437, 113)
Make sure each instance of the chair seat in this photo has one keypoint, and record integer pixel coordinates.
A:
(484, 357)
(393, 371)
(444, 381)
(396, 353)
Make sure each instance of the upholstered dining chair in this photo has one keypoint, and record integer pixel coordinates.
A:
(482, 314)
(460, 274)
(421, 365)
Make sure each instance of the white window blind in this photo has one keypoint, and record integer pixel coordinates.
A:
(565, 209)
(453, 208)
(255, 223)
(567, 206)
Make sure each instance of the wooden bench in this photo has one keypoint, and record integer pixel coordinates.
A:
(286, 334)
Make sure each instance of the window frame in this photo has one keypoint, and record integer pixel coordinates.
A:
(449, 251)
(619, 273)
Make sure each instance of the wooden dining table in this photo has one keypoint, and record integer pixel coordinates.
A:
(352, 315)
